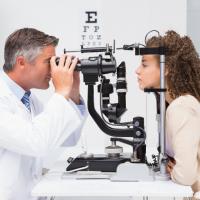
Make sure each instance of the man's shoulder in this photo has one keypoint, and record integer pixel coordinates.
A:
(4, 89)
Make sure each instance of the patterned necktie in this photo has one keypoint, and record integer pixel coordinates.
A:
(26, 101)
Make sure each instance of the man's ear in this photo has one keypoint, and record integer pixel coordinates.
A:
(20, 62)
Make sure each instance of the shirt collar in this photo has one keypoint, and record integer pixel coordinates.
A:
(13, 86)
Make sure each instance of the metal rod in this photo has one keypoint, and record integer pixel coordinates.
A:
(163, 157)
(162, 104)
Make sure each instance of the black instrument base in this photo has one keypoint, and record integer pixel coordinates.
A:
(98, 162)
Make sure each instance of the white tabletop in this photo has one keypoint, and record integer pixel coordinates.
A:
(53, 184)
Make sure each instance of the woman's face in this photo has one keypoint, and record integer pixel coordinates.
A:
(148, 73)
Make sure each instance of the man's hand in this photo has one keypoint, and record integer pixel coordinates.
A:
(75, 92)
(63, 76)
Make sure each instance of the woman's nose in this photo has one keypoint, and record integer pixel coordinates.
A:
(137, 71)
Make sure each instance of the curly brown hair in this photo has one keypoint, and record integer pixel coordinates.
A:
(182, 63)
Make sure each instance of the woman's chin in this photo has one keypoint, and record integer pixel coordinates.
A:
(141, 87)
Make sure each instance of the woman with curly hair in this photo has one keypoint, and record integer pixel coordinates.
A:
(182, 73)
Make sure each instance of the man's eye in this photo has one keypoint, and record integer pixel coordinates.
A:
(47, 62)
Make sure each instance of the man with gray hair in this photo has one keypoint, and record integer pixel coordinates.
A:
(28, 131)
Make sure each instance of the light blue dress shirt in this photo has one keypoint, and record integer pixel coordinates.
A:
(19, 91)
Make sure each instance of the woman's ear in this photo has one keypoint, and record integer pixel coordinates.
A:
(166, 70)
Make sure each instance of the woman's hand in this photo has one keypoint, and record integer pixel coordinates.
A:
(170, 165)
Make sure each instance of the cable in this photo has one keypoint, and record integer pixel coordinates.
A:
(145, 40)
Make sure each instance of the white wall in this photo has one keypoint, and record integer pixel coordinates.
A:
(125, 21)
(193, 16)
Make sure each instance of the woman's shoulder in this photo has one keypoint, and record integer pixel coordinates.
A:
(185, 102)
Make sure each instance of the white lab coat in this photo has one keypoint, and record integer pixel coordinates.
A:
(26, 138)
